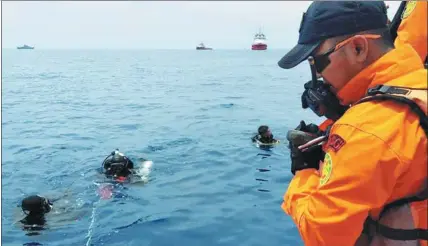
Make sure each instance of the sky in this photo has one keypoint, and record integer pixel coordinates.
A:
(152, 24)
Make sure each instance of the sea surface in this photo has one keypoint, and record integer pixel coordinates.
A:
(191, 112)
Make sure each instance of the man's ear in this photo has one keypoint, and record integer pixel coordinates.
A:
(359, 49)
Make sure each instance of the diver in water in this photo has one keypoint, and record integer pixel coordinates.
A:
(47, 211)
(121, 169)
(264, 136)
(35, 207)
(118, 166)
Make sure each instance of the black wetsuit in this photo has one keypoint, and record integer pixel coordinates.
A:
(121, 166)
(265, 140)
(34, 219)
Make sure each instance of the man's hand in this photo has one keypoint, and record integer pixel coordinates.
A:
(309, 158)
(311, 128)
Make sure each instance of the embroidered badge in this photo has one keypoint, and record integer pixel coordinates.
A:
(326, 170)
(410, 6)
(335, 142)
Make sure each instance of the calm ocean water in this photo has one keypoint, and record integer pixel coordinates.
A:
(191, 112)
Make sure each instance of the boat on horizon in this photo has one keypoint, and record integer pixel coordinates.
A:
(259, 42)
(202, 46)
(25, 47)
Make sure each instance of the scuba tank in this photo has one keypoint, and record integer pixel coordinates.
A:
(117, 165)
(117, 156)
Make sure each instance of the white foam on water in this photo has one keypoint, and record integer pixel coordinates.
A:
(143, 171)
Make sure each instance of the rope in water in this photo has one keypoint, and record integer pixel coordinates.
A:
(105, 193)
(91, 225)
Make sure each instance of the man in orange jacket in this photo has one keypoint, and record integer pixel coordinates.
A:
(412, 27)
(376, 152)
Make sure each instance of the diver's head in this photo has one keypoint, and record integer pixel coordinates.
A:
(265, 132)
(117, 165)
(36, 205)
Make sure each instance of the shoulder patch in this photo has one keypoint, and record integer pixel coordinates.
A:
(335, 142)
(326, 170)
(410, 6)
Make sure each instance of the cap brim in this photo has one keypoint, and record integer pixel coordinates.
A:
(299, 53)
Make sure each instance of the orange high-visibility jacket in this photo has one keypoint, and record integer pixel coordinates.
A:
(413, 27)
(376, 154)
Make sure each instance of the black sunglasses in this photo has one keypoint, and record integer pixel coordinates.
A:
(323, 60)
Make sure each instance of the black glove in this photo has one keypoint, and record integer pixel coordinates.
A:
(313, 155)
(311, 128)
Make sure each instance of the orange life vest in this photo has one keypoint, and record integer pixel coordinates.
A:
(397, 221)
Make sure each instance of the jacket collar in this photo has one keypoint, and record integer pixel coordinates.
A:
(394, 64)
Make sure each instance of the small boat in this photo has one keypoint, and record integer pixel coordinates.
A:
(201, 46)
(25, 47)
(259, 42)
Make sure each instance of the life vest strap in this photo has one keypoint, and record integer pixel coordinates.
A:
(396, 234)
(396, 21)
(416, 99)
(420, 197)
(426, 62)
(393, 233)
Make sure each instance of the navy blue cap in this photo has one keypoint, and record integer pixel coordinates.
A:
(327, 19)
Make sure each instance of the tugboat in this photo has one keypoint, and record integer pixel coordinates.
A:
(201, 46)
(259, 42)
(25, 47)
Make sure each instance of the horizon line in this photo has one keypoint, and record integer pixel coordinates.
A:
(122, 48)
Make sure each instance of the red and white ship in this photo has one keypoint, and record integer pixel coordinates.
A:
(259, 42)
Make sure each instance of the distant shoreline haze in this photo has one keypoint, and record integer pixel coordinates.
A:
(119, 49)
(177, 25)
